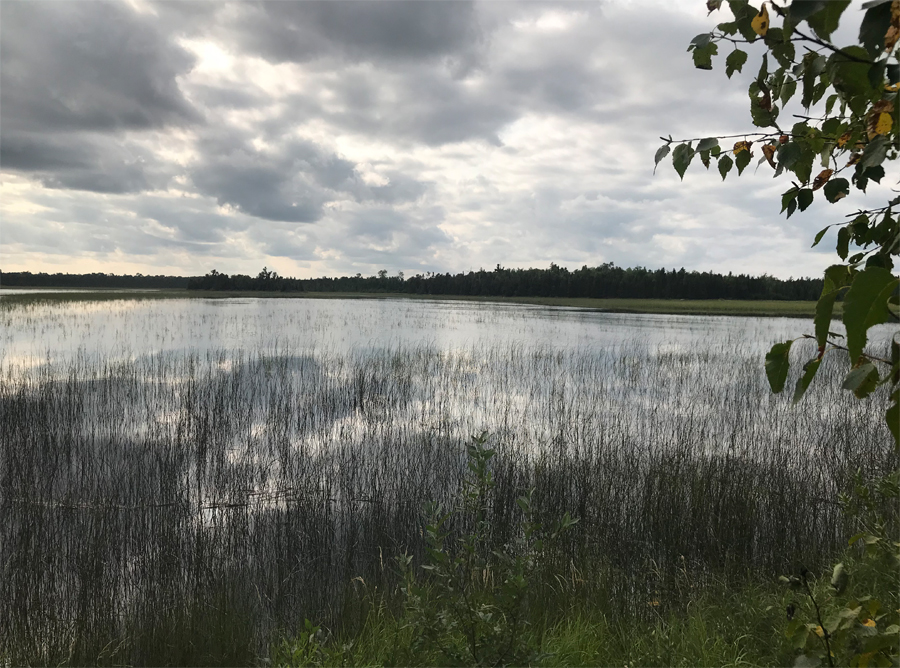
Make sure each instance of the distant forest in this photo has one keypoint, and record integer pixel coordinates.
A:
(603, 282)
(25, 279)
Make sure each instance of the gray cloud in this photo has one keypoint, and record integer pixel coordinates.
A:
(76, 78)
(356, 29)
(82, 161)
(88, 65)
(291, 181)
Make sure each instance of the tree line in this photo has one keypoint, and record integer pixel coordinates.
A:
(606, 281)
(11, 279)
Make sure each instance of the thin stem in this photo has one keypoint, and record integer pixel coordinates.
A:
(744, 134)
(872, 358)
(825, 634)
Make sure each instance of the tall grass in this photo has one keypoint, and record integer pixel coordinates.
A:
(188, 508)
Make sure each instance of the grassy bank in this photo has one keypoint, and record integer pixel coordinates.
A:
(720, 626)
(789, 309)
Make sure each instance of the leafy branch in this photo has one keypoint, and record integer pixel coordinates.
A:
(855, 137)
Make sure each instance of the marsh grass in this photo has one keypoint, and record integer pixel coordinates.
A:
(728, 624)
(188, 509)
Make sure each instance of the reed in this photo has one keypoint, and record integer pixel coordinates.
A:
(188, 508)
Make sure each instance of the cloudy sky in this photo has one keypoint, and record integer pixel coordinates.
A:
(330, 138)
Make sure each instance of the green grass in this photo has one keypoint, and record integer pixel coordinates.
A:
(771, 308)
(720, 626)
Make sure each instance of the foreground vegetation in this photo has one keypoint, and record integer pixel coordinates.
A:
(516, 615)
(167, 508)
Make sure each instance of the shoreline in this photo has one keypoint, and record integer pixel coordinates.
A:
(707, 307)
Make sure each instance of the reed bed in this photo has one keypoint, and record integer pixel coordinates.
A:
(186, 508)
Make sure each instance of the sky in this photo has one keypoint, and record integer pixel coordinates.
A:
(337, 137)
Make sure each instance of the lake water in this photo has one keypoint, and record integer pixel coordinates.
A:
(277, 449)
(128, 328)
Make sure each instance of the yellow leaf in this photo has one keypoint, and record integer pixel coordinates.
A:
(820, 632)
(843, 139)
(760, 22)
(769, 151)
(741, 146)
(884, 124)
(870, 623)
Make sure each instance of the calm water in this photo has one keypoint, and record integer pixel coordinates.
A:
(132, 328)
(158, 455)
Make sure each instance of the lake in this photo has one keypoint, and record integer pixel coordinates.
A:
(257, 455)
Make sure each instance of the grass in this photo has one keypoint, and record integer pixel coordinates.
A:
(165, 507)
(721, 626)
(788, 309)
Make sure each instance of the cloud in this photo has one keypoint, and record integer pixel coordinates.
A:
(82, 161)
(76, 79)
(88, 66)
(337, 137)
(291, 181)
(355, 30)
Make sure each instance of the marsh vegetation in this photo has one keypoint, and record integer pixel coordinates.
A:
(184, 482)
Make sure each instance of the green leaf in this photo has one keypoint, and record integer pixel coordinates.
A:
(707, 144)
(826, 20)
(735, 62)
(788, 88)
(741, 160)
(800, 10)
(862, 176)
(848, 76)
(782, 49)
(892, 416)
(725, 164)
(788, 197)
(700, 40)
(805, 198)
(661, 153)
(875, 152)
(704, 158)
(777, 364)
(763, 68)
(792, 206)
(681, 158)
(812, 66)
(862, 380)
(836, 189)
(788, 154)
(843, 243)
(762, 118)
(809, 371)
(873, 28)
(819, 235)
(866, 305)
(803, 167)
(837, 276)
(703, 55)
